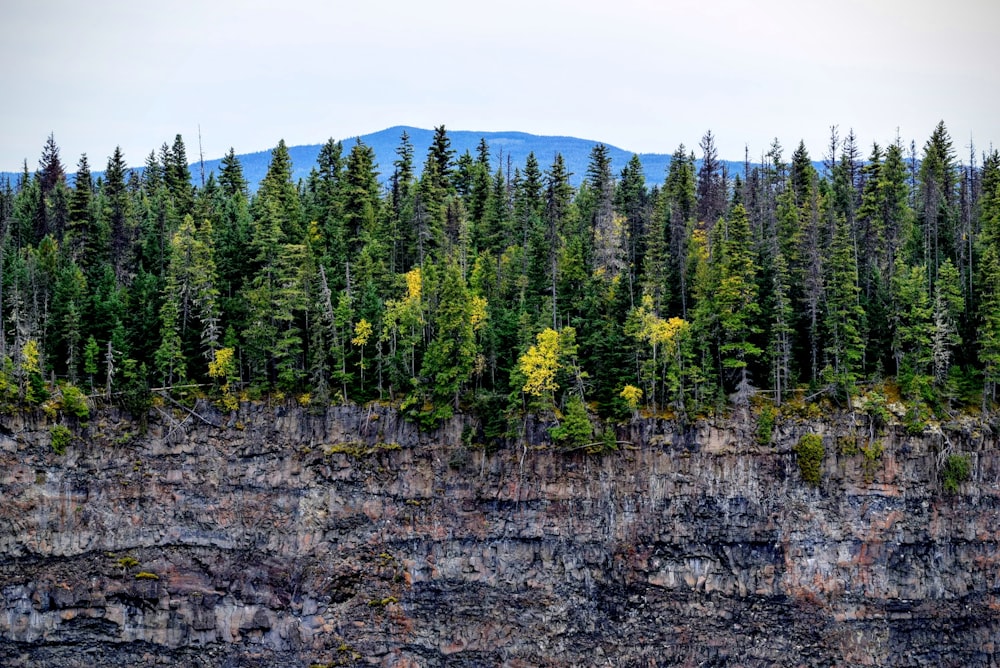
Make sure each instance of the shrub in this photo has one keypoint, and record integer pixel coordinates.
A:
(765, 424)
(809, 451)
(955, 472)
(61, 436)
(74, 402)
(873, 455)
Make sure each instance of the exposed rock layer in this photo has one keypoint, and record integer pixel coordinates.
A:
(291, 539)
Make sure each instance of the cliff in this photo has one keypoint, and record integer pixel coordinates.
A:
(284, 538)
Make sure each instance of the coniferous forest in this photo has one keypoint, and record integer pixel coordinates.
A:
(502, 291)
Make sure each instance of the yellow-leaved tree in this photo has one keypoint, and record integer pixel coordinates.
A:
(222, 369)
(553, 352)
(662, 372)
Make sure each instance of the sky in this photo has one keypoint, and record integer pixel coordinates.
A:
(645, 76)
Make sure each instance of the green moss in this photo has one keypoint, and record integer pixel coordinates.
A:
(358, 449)
(127, 562)
(809, 451)
(381, 603)
(146, 575)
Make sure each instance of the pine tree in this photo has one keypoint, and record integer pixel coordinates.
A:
(277, 197)
(988, 334)
(360, 197)
(949, 305)
(913, 326)
(936, 214)
(711, 184)
(608, 253)
(441, 155)
(118, 214)
(736, 300)
(844, 315)
(177, 177)
(82, 230)
(558, 203)
(50, 168)
(632, 203)
(231, 180)
(450, 357)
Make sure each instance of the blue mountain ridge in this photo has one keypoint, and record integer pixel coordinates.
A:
(504, 146)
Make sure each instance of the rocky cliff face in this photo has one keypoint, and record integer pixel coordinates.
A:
(284, 538)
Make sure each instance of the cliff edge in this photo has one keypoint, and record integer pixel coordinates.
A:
(279, 537)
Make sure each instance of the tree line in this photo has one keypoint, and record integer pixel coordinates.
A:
(501, 290)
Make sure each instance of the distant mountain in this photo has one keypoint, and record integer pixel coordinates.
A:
(514, 146)
(503, 145)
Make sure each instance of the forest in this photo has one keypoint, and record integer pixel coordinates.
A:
(502, 290)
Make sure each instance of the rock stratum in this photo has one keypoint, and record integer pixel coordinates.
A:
(285, 538)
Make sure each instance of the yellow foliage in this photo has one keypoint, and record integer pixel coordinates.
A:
(632, 396)
(540, 363)
(655, 330)
(479, 313)
(414, 284)
(222, 365)
(315, 233)
(30, 356)
(362, 332)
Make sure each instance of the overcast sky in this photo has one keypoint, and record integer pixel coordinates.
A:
(642, 75)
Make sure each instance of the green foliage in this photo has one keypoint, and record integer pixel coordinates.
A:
(134, 395)
(432, 293)
(809, 451)
(872, 457)
(61, 437)
(875, 405)
(74, 401)
(956, 471)
(916, 418)
(765, 423)
(575, 429)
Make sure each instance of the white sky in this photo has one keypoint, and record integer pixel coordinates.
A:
(644, 75)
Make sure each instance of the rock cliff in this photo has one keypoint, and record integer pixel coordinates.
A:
(279, 537)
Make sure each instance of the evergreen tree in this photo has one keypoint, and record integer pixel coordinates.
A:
(177, 177)
(949, 305)
(608, 253)
(360, 197)
(711, 183)
(277, 199)
(400, 207)
(558, 203)
(451, 353)
(936, 214)
(844, 315)
(632, 203)
(736, 300)
(988, 334)
(118, 214)
(84, 241)
(231, 180)
(913, 326)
